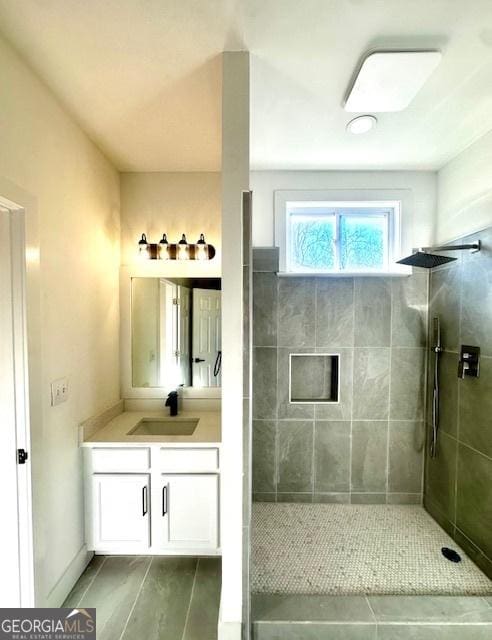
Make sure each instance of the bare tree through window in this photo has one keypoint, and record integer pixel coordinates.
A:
(361, 244)
(313, 243)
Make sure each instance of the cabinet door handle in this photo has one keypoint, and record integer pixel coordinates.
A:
(164, 500)
(144, 500)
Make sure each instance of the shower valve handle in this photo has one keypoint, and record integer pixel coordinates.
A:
(469, 362)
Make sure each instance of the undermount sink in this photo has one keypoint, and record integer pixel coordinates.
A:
(164, 427)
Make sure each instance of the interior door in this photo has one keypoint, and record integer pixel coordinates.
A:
(121, 504)
(10, 576)
(190, 511)
(206, 337)
(16, 545)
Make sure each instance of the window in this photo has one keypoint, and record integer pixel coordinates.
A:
(338, 237)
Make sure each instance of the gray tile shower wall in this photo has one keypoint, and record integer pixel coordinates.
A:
(458, 481)
(368, 447)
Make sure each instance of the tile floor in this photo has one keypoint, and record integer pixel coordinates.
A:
(356, 549)
(151, 598)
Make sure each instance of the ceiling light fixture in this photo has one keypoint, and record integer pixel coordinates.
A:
(362, 124)
(390, 80)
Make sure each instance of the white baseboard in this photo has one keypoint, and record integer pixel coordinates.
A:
(229, 630)
(72, 573)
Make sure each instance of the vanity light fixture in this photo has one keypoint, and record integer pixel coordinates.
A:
(181, 250)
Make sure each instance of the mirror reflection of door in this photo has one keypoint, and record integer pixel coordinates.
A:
(206, 338)
(174, 323)
(183, 321)
(174, 335)
(168, 333)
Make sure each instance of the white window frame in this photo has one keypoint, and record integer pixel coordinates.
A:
(393, 200)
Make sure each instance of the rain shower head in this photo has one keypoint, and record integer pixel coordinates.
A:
(425, 260)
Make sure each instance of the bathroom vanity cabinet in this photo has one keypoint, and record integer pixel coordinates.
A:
(152, 499)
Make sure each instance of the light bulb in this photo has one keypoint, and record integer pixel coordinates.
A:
(143, 248)
(183, 249)
(164, 247)
(201, 249)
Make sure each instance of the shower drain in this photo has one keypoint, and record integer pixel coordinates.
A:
(451, 554)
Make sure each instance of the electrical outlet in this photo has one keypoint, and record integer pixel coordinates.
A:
(59, 391)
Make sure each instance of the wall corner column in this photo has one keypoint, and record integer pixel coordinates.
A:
(235, 181)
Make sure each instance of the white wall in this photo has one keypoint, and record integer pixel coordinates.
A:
(172, 203)
(45, 154)
(235, 174)
(465, 192)
(417, 224)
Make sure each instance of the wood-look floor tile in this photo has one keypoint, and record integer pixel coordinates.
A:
(73, 598)
(162, 606)
(113, 593)
(204, 607)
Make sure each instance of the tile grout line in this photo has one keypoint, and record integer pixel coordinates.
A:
(468, 446)
(276, 454)
(300, 419)
(351, 428)
(136, 598)
(479, 549)
(423, 475)
(191, 599)
(313, 348)
(456, 465)
(465, 444)
(390, 369)
(313, 451)
(79, 601)
(372, 610)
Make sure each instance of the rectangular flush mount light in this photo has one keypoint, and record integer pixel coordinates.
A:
(390, 80)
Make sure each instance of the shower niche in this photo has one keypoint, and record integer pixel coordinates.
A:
(314, 378)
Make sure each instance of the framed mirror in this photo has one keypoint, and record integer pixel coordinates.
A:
(175, 332)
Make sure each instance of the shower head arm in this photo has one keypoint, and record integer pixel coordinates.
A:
(454, 247)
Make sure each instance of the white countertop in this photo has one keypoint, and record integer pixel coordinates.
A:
(116, 431)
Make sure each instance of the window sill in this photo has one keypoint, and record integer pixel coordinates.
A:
(345, 274)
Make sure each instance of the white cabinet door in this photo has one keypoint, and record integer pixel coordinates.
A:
(120, 505)
(189, 512)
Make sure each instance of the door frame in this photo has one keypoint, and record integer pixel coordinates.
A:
(23, 246)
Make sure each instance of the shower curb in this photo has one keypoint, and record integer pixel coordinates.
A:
(313, 617)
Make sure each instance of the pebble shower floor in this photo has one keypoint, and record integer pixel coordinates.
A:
(356, 549)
